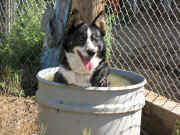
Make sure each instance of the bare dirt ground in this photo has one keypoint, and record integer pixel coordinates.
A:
(18, 116)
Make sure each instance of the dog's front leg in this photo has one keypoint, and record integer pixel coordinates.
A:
(99, 77)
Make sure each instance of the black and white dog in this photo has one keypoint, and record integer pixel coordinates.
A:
(91, 50)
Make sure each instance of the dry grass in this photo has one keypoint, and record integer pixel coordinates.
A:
(18, 116)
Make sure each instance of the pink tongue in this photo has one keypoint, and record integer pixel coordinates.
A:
(86, 61)
(88, 65)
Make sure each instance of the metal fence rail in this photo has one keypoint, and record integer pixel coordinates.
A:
(144, 37)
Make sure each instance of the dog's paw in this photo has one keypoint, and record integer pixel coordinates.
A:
(105, 83)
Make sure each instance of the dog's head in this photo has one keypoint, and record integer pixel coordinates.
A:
(93, 51)
(90, 41)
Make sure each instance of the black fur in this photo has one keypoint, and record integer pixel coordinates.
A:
(99, 77)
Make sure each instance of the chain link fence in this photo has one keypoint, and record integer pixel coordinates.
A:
(146, 39)
(143, 36)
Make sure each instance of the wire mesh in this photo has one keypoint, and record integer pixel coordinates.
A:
(145, 39)
(142, 36)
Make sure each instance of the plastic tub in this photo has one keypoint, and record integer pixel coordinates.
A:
(71, 110)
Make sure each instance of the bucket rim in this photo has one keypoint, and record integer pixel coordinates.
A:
(141, 83)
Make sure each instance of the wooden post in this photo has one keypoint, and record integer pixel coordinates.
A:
(88, 9)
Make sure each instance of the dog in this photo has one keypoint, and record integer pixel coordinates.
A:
(88, 42)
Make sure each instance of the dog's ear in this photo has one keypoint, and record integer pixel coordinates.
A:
(75, 19)
(97, 17)
(99, 21)
(102, 27)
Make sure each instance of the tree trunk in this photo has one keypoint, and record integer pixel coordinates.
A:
(88, 9)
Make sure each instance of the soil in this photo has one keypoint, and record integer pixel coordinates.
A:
(18, 116)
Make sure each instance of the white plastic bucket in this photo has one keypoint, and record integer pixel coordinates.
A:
(70, 110)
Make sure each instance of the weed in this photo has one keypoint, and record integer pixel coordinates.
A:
(21, 48)
(110, 20)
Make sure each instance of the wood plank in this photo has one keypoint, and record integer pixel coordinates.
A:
(168, 105)
(160, 114)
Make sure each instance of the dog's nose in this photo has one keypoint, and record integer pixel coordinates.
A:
(90, 52)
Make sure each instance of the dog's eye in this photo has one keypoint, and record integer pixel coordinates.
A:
(82, 37)
(93, 37)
